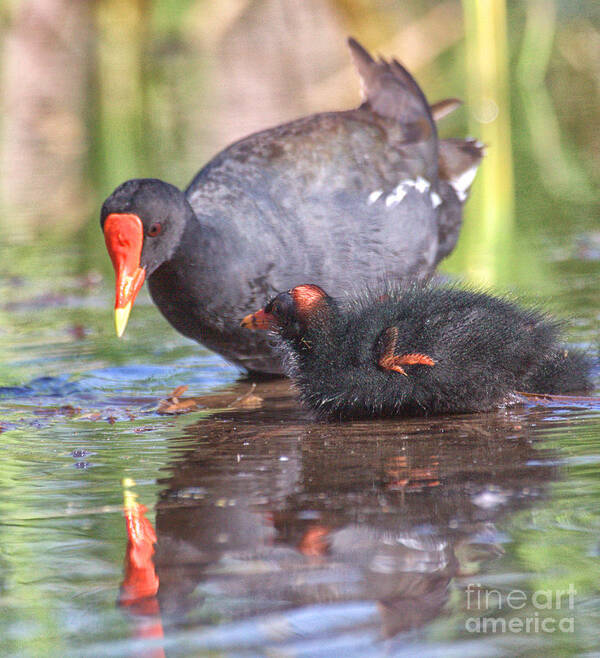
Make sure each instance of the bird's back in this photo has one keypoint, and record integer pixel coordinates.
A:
(338, 198)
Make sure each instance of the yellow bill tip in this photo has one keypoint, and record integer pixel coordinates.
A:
(121, 317)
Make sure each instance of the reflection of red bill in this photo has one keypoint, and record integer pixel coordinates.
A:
(140, 585)
(314, 542)
(140, 582)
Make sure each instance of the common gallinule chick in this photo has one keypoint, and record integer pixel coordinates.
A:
(416, 350)
(340, 196)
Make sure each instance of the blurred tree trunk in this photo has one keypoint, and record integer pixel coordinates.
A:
(44, 84)
(263, 76)
(121, 69)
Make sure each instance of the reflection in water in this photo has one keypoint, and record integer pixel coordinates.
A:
(273, 528)
(140, 585)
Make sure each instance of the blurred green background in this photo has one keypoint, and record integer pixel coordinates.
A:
(95, 92)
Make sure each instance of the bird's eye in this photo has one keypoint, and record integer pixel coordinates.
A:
(154, 229)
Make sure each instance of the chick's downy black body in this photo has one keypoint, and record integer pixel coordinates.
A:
(420, 350)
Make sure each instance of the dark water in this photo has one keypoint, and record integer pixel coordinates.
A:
(273, 533)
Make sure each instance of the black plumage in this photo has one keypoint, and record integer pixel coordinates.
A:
(417, 350)
(343, 197)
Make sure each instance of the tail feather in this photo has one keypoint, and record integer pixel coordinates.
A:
(444, 107)
(390, 89)
(459, 160)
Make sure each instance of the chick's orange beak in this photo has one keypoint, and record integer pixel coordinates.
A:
(124, 236)
(259, 320)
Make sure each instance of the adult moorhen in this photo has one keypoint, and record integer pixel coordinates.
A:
(417, 349)
(344, 197)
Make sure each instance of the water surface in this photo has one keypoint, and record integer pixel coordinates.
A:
(272, 531)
